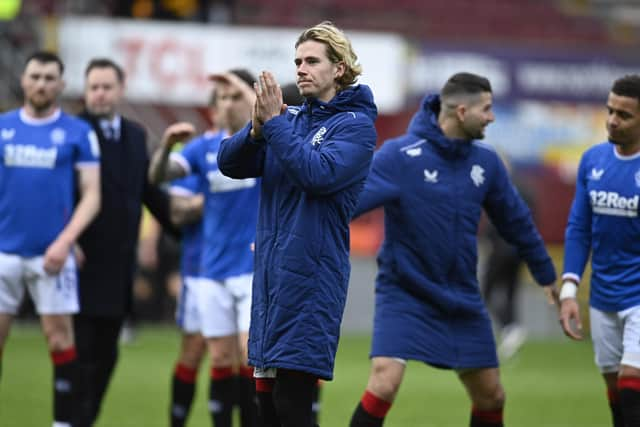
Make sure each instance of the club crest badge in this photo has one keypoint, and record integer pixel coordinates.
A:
(477, 175)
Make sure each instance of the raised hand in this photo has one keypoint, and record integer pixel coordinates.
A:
(178, 132)
(269, 98)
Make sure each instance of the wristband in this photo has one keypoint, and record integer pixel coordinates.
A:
(569, 290)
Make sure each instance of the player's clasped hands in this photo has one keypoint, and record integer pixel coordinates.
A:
(268, 101)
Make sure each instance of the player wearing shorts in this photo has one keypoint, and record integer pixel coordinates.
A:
(223, 291)
(604, 223)
(41, 151)
(186, 192)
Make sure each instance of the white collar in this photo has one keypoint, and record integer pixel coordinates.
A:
(39, 121)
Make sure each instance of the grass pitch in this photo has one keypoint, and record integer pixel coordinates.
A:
(549, 383)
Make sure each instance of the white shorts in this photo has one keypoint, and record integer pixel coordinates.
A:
(265, 372)
(187, 314)
(56, 294)
(616, 338)
(225, 307)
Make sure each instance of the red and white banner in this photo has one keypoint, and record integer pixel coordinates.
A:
(168, 62)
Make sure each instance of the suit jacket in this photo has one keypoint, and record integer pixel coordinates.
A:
(109, 243)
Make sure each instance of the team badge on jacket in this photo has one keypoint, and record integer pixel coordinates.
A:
(637, 176)
(477, 175)
(319, 136)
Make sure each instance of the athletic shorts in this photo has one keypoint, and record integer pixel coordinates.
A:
(224, 306)
(57, 294)
(187, 314)
(265, 372)
(616, 338)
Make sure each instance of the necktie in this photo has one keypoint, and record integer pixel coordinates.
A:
(109, 133)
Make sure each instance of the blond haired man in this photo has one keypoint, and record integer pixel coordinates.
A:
(313, 162)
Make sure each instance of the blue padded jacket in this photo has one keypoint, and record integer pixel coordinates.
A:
(433, 190)
(313, 161)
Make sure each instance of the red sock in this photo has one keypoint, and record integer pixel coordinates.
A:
(64, 374)
(264, 385)
(629, 389)
(246, 371)
(221, 373)
(221, 395)
(264, 395)
(183, 388)
(185, 373)
(629, 383)
(63, 356)
(491, 418)
(375, 406)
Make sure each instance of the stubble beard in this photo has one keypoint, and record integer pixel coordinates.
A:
(475, 134)
(42, 106)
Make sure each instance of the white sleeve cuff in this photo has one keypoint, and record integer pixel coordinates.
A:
(571, 276)
(569, 290)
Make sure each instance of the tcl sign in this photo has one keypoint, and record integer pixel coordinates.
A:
(169, 62)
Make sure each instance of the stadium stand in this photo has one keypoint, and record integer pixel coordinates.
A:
(518, 21)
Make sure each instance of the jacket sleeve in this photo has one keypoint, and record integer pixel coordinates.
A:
(380, 187)
(240, 156)
(577, 244)
(342, 159)
(156, 200)
(512, 218)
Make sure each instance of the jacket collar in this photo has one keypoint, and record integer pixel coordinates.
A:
(424, 124)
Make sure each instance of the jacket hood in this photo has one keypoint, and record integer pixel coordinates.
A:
(424, 124)
(357, 98)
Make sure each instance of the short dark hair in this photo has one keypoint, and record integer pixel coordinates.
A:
(244, 75)
(628, 86)
(105, 63)
(465, 84)
(44, 56)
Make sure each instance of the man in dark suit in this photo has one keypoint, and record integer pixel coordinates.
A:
(109, 243)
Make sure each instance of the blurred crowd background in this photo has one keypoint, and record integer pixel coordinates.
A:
(551, 63)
